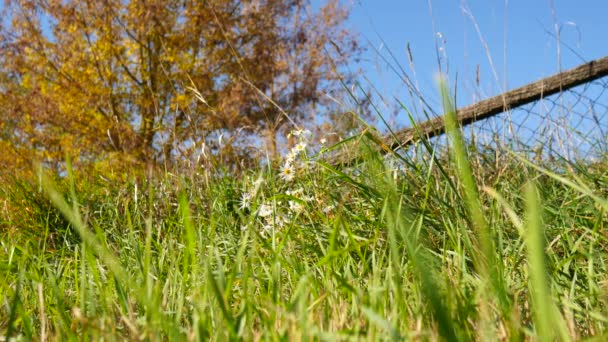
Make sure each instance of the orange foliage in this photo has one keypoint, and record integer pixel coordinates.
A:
(150, 81)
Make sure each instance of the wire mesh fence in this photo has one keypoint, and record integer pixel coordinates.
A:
(571, 125)
(564, 116)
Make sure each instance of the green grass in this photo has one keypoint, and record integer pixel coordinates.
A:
(451, 247)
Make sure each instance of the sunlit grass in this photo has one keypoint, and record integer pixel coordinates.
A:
(444, 247)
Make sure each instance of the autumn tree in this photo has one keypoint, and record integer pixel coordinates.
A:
(148, 80)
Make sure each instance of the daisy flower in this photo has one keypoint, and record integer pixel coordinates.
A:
(301, 146)
(288, 172)
(291, 157)
(265, 210)
(246, 200)
(296, 132)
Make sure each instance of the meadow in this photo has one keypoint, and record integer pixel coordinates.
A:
(455, 244)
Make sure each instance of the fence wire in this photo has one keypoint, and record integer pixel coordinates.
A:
(571, 125)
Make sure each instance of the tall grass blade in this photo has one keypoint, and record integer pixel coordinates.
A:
(547, 319)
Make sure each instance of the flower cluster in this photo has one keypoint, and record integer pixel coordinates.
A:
(249, 195)
(293, 161)
(267, 212)
(297, 188)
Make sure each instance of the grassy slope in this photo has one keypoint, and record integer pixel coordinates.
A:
(431, 250)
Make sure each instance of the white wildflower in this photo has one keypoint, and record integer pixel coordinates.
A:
(288, 172)
(295, 206)
(246, 200)
(291, 157)
(265, 210)
(295, 193)
(299, 193)
(266, 229)
(296, 132)
(308, 198)
(323, 141)
(300, 147)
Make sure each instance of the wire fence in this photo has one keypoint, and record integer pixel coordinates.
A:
(571, 125)
(564, 116)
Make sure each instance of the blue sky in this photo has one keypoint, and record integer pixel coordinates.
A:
(520, 37)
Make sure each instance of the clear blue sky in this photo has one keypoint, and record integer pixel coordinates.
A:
(520, 36)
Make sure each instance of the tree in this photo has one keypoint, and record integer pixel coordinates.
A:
(148, 80)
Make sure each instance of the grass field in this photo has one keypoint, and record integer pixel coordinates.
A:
(465, 245)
